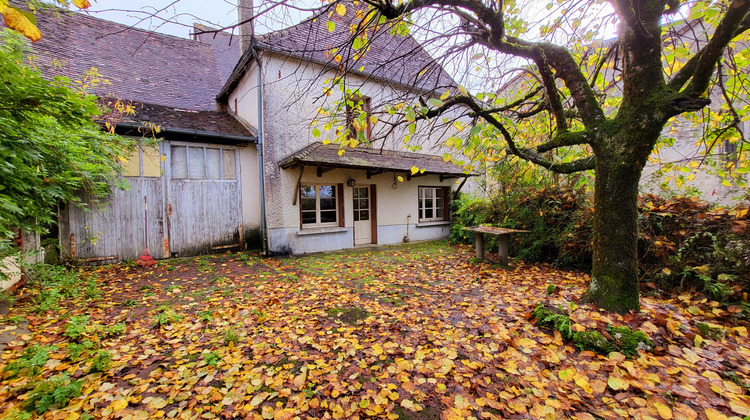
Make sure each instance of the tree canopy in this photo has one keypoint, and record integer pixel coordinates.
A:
(573, 102)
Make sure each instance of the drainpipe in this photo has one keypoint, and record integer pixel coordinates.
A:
(263, 230)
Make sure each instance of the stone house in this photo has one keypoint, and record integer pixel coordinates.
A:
(237, 163)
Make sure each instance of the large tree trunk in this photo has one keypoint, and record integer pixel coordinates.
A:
(614, 276)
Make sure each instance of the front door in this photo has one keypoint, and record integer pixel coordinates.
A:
(362, 216)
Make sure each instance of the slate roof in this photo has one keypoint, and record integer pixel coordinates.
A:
(225, 47)
(185, 121)
(318, 154)
(173, 81)
(391, 58)
(141, 65)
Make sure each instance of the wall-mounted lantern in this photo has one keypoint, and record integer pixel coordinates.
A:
(350, 182)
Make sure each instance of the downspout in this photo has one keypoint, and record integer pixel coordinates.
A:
(263, 229)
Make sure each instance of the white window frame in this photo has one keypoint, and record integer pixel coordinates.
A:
(317, 223)
(434, 207)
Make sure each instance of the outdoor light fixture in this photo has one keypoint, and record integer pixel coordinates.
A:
(350, 182)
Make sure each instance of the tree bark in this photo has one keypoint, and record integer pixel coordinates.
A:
(614, 275)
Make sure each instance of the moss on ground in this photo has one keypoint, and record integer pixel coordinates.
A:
(349, 315)
(629, 341)
(593, 341)
(712, 331)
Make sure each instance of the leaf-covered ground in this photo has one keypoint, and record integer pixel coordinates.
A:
(416, 332)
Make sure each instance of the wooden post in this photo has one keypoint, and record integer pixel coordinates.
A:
(480, 245)
(502, 249)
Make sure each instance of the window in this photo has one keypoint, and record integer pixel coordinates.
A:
(145, 161)
(319, 205)
(432, 203)
(203, 163)
(358, 118)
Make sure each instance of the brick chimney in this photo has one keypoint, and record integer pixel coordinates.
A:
(245, 12)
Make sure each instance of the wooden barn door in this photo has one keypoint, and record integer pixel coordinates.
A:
(204, 201)
(120, 227)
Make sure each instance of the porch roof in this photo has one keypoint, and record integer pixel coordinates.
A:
(372, 160)
(183, 123)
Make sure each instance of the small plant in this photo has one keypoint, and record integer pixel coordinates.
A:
(171, 268)
(146, 287)
(211, 359)
(76, 327)
(47, 300)
(551, 288)
(54, 392)
(92, 292)
(243, 257)
(166, 315)
(231, 336)
(15, 319)
(309, 390)
(101, 362)
(712, 331)
(30, 361)
(117, 329)
(75, 350)
(130, 302)
(172, 287)
(205, 316)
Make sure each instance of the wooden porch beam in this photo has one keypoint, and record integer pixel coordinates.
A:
(299, 184)
(321, 170)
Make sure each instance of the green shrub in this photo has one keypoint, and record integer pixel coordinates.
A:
(559, 221)
(676, 236)
(55, 392)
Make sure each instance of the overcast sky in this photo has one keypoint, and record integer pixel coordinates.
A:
(177, 17)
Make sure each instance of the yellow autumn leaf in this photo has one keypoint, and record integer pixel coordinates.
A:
(445, 95)
(118, 405)
(341, 9)
(740, 407)
(712, 414)
(414, 170)
(16, 20)
(284, 414)
(664, 411)
(618, 384)
(566, 374)
(82, 4)
(299, 380)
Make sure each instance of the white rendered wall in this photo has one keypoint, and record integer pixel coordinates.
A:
(292, 94)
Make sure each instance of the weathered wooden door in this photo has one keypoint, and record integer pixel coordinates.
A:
(120, 226)
(204, 202)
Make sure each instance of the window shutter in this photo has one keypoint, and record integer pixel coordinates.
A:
(340, 193)
(373, 214)
(447, 202)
